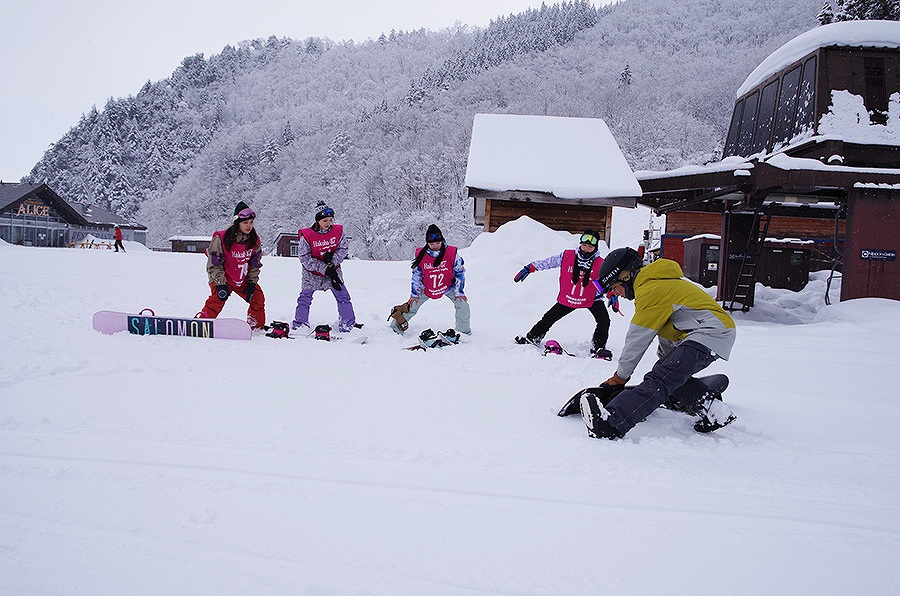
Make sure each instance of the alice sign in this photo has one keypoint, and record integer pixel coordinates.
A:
(33, 207)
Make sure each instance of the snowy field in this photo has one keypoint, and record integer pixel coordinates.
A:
(176, 466)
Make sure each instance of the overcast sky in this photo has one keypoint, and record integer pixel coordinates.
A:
(60, 57)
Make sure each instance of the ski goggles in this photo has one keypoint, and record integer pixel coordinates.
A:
(326, 212)
(244, 214)
(590, 239)
(434, 237)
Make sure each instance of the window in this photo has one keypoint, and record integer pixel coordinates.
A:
(876, 96)
(807, 101)
(764, 120)
(731, 143)
(787, 104)
(748, 122)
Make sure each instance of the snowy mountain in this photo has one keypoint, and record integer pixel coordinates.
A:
(163, 465)
(380, 130)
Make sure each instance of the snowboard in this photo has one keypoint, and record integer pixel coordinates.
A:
(109, 322)
(429, 339)
(551, 346)
(279, 330)
(606, 393)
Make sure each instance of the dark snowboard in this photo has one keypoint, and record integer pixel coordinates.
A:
(605, 393)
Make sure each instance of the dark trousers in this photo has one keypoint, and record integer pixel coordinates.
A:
(558, 311)
(670, 376)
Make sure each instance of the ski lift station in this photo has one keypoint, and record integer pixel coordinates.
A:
(809, 179)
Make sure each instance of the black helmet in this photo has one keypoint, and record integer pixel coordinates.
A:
(617, 261)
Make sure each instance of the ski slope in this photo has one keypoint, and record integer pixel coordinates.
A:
(180, 466)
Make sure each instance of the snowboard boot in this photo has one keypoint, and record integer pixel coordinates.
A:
(596, 418)
(604, 394)
(399, 321)
(715, 414)
(601, 353)
(527, 339)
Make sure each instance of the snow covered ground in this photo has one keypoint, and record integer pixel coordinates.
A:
(179, 466)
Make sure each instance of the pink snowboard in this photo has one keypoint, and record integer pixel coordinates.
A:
(108, 321)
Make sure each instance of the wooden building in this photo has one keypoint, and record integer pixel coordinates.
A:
(566, 173)
(35, 215)
(286, 245)
(812, 153)
(190, 243)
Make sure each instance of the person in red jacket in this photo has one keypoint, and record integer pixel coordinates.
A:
(233, 264)
(118, 236)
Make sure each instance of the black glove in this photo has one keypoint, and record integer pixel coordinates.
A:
(326, 257)
(222, 292)
(332, 274)
(249, 289)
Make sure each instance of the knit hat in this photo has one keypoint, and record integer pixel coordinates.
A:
(433, 234)
(323, 210)
(243, 212)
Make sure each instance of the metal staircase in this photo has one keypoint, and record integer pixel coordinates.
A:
(743, 289)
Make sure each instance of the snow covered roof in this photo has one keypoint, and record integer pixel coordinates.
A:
(190, 238)
(571, 158)
(872, 34)
(103, 217)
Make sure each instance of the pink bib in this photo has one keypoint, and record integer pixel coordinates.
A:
(237, 260)
(322, 243)
(575, 295)
(437, 278)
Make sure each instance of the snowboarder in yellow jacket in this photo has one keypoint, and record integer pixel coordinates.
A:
(693, 331)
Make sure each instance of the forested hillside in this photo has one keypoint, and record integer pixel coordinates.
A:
(380, 130)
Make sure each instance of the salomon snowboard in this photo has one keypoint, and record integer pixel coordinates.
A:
(605, 393)
(109, 322)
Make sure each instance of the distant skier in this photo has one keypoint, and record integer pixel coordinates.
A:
(693, 331)
(577, 268)
(437, 271)
(118, 236)
(233, 264)
(322, 249)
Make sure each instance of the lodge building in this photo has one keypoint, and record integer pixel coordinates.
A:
(812, 154)
(34, 215)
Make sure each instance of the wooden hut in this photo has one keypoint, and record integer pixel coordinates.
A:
(566, 173)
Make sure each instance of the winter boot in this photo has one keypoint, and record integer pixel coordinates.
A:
(715, 414)
(323, 332)
(527, 339)
(397, 313)
(596, 418)
(601, 353)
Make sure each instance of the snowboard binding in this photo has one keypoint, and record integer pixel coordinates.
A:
(278, 330)
(323, 332)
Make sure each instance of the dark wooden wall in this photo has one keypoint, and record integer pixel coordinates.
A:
(569, 218)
